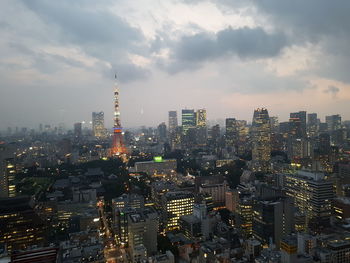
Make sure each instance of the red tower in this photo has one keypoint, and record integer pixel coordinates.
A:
(118, 147)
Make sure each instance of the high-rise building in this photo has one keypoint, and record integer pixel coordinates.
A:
(333, 122)
(244, 215)
(274, 123)
(301, 115)
(295, 128)
(174, 205)
(7, 170)
(313, 194)
(98, 124)
(312, 124)
(188, 120)
(215, 136)
(118, 146)
(162, 132)
(77, 129)
(20, 227)
(261, 140)
(172, 121)
(231, 134)
(201, 118)
(137, 226)
(272, 220)
(10, 173)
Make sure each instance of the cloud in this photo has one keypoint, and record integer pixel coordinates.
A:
(245, 43)
(333, 90)
(93, 29)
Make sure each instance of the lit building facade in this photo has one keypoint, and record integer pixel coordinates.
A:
(20, 227)
(174, 205)
(98, 124)
(261, 140)
(231, 132)
(188, 120)
(201, 118)
(313, 195)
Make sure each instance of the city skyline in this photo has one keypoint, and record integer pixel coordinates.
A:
(244, 55)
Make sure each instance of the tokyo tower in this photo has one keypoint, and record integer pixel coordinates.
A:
(118, 147)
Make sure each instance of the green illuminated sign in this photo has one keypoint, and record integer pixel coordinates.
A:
(158, 159)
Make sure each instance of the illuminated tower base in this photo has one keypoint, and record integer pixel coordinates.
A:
(118, 147)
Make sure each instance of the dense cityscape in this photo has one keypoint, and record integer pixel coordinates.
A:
(174, 131)
(259, 191)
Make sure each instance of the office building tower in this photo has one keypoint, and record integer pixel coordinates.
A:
(7, 170)
(295, 128)
(162, 132)
(324, 144)
(274, 123)
(289, 249)
(201, 135)
(231, 134)
(98, 124)
(172, 121)
(136, 227)
(188, 120)
(201, 118)
(244, 215)
(312, 124)
(333, 122)
(215, 135)
(10, 174)
(232, 200)
(174, 205)
(313, 194)
(272, 220)
(216, 190)
(128, 200)
(118, 147)
(20, 227)
(261, 140)
(301, 115)
(77, 129)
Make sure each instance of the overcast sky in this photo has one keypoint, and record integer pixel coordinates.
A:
(58, 59)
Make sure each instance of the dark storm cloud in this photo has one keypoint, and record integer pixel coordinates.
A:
(312, 17)
(245, 43)
(96, 31)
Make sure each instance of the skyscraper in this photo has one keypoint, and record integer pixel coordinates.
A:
(261, 140)
(272, 220)
(172, 121)
(301, 115)
(188, 120)
(162, 134)
(21, 227)
(77, 129)
(201, 118)
(312, 124)
(118, 147)
(98, 124)
(333, 122)
(231, 132)
(201, 127)
(313, 194)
